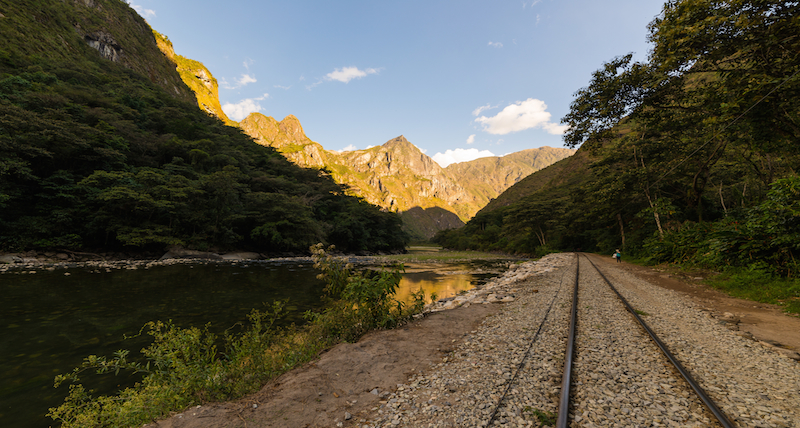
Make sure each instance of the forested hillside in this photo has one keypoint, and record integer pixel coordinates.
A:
(691, 156)
(102, 146)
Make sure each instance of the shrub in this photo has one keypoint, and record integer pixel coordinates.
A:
(184, 367)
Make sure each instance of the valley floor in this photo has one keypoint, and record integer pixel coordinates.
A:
(404, 377)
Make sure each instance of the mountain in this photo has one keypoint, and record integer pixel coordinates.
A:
(399, 177)
(197, 77)
(489, 177)
(67, 31)
(103, 148)
(568, 171)
(287, 136)
(396, 176)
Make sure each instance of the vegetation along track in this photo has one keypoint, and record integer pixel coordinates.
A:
(508, 371)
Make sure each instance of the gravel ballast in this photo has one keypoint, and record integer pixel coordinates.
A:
(620, 378)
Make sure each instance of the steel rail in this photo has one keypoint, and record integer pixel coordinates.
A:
(527, 352)
(721, 417)
(563, 407)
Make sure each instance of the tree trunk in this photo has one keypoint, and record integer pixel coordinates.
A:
(540, 236)
(621, 229)
(649, 200)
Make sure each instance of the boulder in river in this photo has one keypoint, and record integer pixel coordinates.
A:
(10, 258)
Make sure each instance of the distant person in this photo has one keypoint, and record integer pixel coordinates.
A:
(618, 256)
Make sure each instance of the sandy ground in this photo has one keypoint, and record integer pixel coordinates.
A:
(343, 384)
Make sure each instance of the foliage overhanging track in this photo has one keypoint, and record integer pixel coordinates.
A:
(563, 413)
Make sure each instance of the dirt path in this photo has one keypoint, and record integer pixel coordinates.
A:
(351, 379)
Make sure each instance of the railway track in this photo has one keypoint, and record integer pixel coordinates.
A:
(509, 371)
(615, 368)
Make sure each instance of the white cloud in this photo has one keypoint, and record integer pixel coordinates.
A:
(522, 115)
(555, 129)
(311, 86)
(284, 87)
(247, 63)
(496, 44)
(347, 74)
(471, 139)
(460, 155)
(244, 107)
(145, 13)
(478, 110)
(241, 81)
(369, 147)
(349, 148)
(245, 79)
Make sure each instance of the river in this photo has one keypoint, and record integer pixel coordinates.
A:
(52, 319)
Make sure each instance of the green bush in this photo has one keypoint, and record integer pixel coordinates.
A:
(362, 301)
(184, 367)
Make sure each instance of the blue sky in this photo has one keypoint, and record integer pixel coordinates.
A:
(458, 78)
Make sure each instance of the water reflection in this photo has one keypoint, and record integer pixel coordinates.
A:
(443, 281)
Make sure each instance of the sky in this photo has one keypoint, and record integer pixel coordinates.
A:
(459, 79)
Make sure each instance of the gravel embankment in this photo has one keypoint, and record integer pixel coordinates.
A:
(620, 379)
(752, 383)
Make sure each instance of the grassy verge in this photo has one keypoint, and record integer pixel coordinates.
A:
(184, 367)
(760, 286)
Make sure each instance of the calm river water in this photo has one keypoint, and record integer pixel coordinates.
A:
(51, 321)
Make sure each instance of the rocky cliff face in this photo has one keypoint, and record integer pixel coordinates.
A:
(197, 77)
(119, 35)
(399, 177)
(287, 136)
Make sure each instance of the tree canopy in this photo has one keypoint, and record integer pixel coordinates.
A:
(705, 132)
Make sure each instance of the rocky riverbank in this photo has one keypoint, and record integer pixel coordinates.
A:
(504, 288)
(30, 262)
